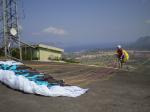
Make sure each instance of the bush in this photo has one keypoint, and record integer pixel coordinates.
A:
(70, 60)
(1, 52)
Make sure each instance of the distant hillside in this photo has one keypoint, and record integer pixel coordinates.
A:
(143, 43)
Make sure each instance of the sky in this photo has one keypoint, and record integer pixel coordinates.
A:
(74, 23)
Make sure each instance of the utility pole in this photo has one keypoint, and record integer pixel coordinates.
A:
(9, 27)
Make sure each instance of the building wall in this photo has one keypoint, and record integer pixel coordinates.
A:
(47, 54)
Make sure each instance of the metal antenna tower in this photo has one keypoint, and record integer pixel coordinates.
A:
(9, 27)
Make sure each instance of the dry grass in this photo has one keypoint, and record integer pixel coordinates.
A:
(74, 74)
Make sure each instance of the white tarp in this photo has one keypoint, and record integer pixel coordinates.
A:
(22, 83)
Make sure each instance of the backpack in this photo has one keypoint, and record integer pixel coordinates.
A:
(126, 58)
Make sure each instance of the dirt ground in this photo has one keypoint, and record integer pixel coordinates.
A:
(110, 90)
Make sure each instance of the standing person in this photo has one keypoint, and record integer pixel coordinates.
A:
(122, 56)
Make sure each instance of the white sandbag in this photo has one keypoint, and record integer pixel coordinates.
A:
(22, 83)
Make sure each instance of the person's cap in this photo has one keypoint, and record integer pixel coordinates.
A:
(119, 46)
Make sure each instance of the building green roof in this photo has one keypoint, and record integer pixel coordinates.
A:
(50, 47)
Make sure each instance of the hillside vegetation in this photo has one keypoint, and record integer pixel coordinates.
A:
(143, 43)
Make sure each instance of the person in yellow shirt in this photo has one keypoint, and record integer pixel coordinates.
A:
(122, 56)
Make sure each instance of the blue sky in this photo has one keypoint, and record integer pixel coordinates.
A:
(73, 23)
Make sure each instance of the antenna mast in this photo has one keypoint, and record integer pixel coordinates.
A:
(9, 27)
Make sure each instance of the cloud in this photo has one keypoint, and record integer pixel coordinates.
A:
(54, 30)
(147, 21)
(51, 30)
